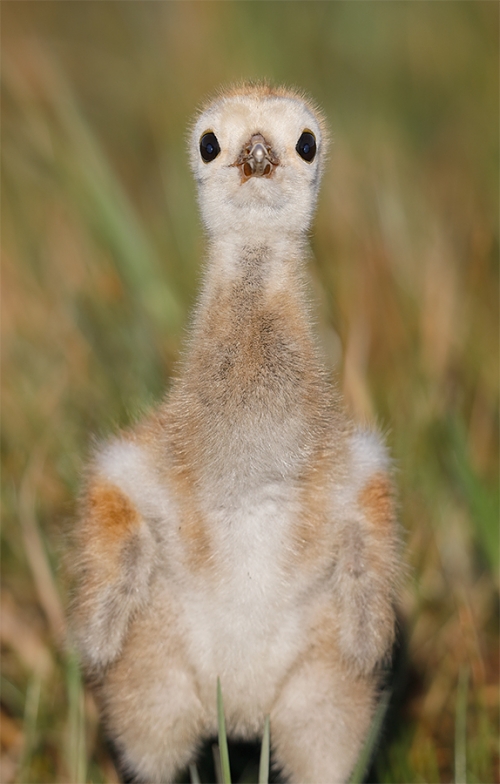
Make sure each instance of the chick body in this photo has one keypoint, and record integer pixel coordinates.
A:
(246, 529)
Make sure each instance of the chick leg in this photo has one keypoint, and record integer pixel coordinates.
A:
(320, 720)
(154, 716)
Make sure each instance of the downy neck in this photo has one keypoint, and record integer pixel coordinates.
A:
(253, 398)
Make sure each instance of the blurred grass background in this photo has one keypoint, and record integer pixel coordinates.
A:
(101, 251)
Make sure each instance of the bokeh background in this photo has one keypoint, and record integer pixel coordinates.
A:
(101, 255)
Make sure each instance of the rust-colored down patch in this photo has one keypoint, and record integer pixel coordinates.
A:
(109, 522)
(110, 514)
(377, 501)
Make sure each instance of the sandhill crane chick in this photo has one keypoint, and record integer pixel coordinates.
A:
(245, 530)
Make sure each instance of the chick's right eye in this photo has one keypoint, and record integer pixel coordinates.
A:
(209, 147)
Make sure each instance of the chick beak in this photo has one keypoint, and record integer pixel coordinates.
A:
(256, 158)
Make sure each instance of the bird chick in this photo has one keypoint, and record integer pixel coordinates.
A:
(245, 530)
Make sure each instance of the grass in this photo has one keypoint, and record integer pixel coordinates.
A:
(365, 758)
(221, 751)
(265, 752)
(225, 771)
(101, 254)
(461, 728)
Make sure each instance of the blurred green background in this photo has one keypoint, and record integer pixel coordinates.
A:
(101, 255)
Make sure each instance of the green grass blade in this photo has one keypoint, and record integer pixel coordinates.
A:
(223, 749)
(217, 765)
(461, 727)
(12, 697)
(264, 755)
(30, 725)
(194, 775)
(104, 202)
(371, 741)
(482, 500)
(76, 744)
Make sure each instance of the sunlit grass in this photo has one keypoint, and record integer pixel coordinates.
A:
(366, 756)
(265, 753)
(225, 770)
(101, 255)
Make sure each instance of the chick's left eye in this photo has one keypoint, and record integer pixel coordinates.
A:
(209, 147)
(306, 146)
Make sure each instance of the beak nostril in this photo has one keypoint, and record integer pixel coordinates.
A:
(256, 159)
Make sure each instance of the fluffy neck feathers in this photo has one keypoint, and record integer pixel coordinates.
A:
(253, 394)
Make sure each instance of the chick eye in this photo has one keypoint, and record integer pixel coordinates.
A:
(209, 147)
(306, 146)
